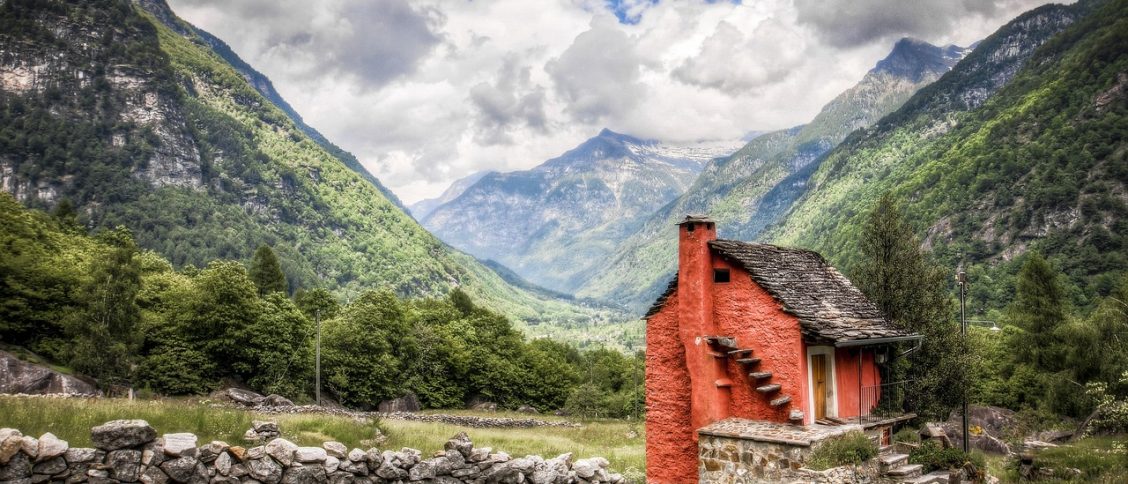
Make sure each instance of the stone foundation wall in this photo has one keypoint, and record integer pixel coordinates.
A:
(128, 451)
(730, 460)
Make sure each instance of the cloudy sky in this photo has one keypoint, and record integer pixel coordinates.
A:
(425, 92)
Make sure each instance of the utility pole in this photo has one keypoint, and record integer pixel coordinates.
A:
(317, 371)
(961, 278)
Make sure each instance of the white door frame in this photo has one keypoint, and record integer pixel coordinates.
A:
(832, 386)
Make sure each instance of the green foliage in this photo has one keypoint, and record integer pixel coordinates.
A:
(935, 457)
(266, 271)
(850, 448)
(1100, 459)
(1111, 414)
(317, 303)
(1039, 310)
(365, 350)
(911, 291)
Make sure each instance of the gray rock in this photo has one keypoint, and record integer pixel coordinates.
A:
(35, 479)
(265, 470)
(391, 472)
(479, 455)
(308, 455)
(223, 464)
(356, 455)
(585, 468)
(274, 400)
(224, 480)
(76, 455)
(212, 450)
(282, 450)
(18, 467)
(441, 465)
(180, 469)
(253, 453)
(527, 409)
(51, 467)
(244, 397)
(357, 468)
(332, 464)
(30, 446)
(180, 445)
(336, 449)
(341, 477)
(51, 447)
(265, 426)
(409, 402)
(485, 407)
(239, 470)
(523, 465)
(422, 470)
(120, 434)
(468, 473)
(153, 453)
(154, 475)
(460, 442)
(305, 475)
(125, 465)
(373, 458)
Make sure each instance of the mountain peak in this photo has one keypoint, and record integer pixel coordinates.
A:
(913, 58)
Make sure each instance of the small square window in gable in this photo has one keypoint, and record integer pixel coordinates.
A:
(720, 275)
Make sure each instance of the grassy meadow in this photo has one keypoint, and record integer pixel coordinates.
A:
(620, 442)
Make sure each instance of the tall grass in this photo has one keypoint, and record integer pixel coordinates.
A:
(620, 442)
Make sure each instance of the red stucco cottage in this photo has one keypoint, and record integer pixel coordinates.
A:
(754, 332)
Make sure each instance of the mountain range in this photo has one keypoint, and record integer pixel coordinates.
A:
(140, 120)
(555, 223)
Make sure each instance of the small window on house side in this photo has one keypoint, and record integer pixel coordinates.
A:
(720, 275)
(690, 227)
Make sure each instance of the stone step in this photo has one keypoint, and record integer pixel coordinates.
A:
(765, 389)
(889, 461)
(936, 477)
(740, 351)
(905, 471)
(781, 401)
(748, 361)
(760, 375)
(727, 342)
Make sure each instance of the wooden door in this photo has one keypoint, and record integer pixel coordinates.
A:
(819, 377)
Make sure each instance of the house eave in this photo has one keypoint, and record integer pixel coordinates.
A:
(876, 341)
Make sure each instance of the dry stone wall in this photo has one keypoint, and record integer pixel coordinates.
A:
(130, 451)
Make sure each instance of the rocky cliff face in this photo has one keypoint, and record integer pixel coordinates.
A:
(733, 189)
(139, 120)
(20, 377)
(421, 209)
(555, 223)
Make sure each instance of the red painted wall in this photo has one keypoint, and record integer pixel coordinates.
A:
(671, 440)
(746, 311)
(846, 376)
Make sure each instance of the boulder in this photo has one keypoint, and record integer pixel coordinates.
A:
(30, 446)
(154, 475)
(223, 464)
(125, 465)
(332, 464)
(265, 470)
(239, 452)
(244, 397)
(179, 445)
(18, 467)
(50, 467)
(50, 447)
(356, 455)
(527, 409)
(17, 376)
(274, 400)
(305, 475)
(485, 407)
(78, 455)
(120, 434)
(308, 455)
(374, 459)
(209, 452)
(409, 402)
(461, 443)
(281, 450)
(11, 440)
(335, 449)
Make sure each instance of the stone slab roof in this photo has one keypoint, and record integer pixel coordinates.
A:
(828, 306)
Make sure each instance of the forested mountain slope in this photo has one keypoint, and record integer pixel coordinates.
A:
(138, 125)
(730, 189)
(1039, 164)
(557, 222)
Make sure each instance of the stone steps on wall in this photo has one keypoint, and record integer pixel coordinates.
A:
(890, 461)
(937, 477)
(781, 401)
(770, 388)
(748, 361)
(760, 375)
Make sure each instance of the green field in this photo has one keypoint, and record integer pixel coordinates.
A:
(620, 442)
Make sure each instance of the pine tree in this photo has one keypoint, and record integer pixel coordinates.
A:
(911, 292)
(1039, 309)
(266, 271)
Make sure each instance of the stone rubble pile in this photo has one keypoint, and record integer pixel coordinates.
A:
(129, 451)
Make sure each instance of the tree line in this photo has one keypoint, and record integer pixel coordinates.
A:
(125, 316)
(1044, 355)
